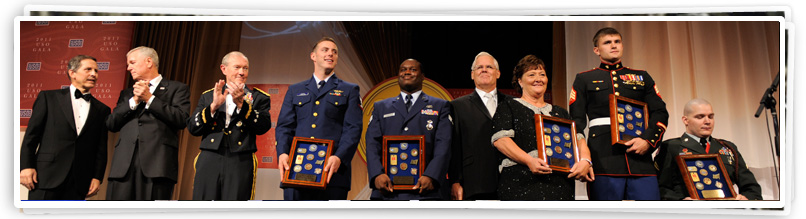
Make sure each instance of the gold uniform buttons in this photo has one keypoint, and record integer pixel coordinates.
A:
(212, 140)
(300, 103)
(317, 102)
(615, 79)
(240, 143)
(336, 103)
(597, 88)
(313, 125)
(615, 85)
(315, 114)
(613, 72)
(617, 93)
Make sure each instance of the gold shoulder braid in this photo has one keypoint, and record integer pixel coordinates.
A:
(263, 92)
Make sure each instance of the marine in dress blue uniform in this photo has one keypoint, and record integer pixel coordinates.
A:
(621, 172)
(428, 116)
(226, 165)
(322, 107)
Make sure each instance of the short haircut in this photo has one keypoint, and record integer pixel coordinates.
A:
(147, 52)
(527, 63)
(75, 62)
(322, 40)
(419, 64)
(688, 108)
(225, 60)
(483, 53)
(604, 32)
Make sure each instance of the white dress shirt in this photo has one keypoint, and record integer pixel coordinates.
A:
(81, 109)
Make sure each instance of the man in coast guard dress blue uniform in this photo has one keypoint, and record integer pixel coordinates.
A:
(229, 117)
(621, 172)
(411, 113)
(323, 107)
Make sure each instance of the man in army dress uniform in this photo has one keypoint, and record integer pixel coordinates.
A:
(411, 113)
(229, 118)
(698, 116)
(621, 172)
(321, 107)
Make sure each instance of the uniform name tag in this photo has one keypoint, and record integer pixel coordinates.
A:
(388, 115)
(302, 94)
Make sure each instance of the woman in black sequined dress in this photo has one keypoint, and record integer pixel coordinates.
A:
(523, 175)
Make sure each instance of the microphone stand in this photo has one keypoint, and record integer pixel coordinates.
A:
(768, 101)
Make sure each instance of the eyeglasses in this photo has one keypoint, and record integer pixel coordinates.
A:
(480, 67)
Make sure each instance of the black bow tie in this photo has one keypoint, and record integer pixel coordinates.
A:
(78, 94)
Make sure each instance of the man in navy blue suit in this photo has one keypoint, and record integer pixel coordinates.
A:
(323, 107)
(411, 113)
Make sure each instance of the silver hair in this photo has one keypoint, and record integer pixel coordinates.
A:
(147, 52)
(483, 53)
(225, 60)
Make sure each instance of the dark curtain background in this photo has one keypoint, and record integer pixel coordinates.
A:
(189, 52)
(382, 46)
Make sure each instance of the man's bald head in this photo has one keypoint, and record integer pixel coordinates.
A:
(688, 109)
(698, 116)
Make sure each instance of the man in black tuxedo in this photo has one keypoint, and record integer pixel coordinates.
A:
(67, 126)
(148, 116)
(473, 171)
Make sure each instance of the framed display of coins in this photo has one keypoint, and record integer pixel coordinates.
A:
(309, 159)
(401, 154)
(558, 146)
(701, 175)
(627, 119)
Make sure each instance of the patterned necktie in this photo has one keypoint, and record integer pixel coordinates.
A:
(491, 104)
(408, 102)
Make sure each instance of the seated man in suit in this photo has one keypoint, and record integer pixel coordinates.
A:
(148, 116)
(411, 113)
(63, 155)
(698, 116)
(229, 118)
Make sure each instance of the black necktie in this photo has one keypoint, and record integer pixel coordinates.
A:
(704, 143)
(321, 84)
(408, 102)
(78, 94)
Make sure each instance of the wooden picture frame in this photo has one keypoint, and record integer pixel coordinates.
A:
(308, 159)
(705, 177)
(557, 142)
(399, 163)
(628, 119)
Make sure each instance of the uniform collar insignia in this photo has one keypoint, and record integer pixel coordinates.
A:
(614, 66)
